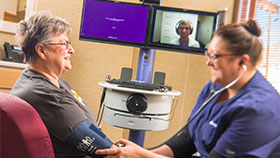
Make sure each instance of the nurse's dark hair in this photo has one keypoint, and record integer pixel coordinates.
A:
(242, 39)
(40, 27)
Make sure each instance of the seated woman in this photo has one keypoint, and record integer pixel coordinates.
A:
(44, 41)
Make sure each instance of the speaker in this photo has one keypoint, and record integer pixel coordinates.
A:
(159, 78)
(183, 22)
(126, 74)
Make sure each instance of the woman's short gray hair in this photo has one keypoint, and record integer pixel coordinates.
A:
(39, 28)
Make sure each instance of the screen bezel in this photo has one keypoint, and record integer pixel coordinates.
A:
(114, 41)
(172, 47)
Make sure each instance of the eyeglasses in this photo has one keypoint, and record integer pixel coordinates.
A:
(212, 56)
(187, 28)
(66, 43)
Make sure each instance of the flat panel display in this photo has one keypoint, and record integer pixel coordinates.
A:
(117, 22)
(180, 29)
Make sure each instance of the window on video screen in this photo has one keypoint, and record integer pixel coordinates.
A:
(114, 21)
(183, 29)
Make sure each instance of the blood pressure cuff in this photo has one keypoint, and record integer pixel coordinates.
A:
(88, 138)
(182, 144)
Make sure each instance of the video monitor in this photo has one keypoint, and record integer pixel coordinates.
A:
(116, 22)
(181, 30)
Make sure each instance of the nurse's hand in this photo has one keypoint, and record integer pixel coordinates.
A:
(128, 150)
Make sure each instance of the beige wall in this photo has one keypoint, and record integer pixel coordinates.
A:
(8, 5)
(93, 61)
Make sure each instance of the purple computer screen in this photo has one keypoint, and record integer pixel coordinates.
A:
(115, 21)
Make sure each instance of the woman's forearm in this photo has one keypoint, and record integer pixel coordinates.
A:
(163, 150)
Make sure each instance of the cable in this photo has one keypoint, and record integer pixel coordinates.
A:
(100, 113)
(175, 103)
(99, 122)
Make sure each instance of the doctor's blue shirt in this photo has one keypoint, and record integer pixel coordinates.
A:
(247, 124)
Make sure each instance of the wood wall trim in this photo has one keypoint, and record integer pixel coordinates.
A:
(252, 9)
(235, 11)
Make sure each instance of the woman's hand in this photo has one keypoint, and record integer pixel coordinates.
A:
(129, 150)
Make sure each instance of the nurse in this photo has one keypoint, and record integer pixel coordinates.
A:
(240, 114)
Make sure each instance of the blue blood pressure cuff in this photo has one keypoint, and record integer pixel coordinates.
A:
(88, 138)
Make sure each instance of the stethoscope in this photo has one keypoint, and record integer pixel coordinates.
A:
(212, 94)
